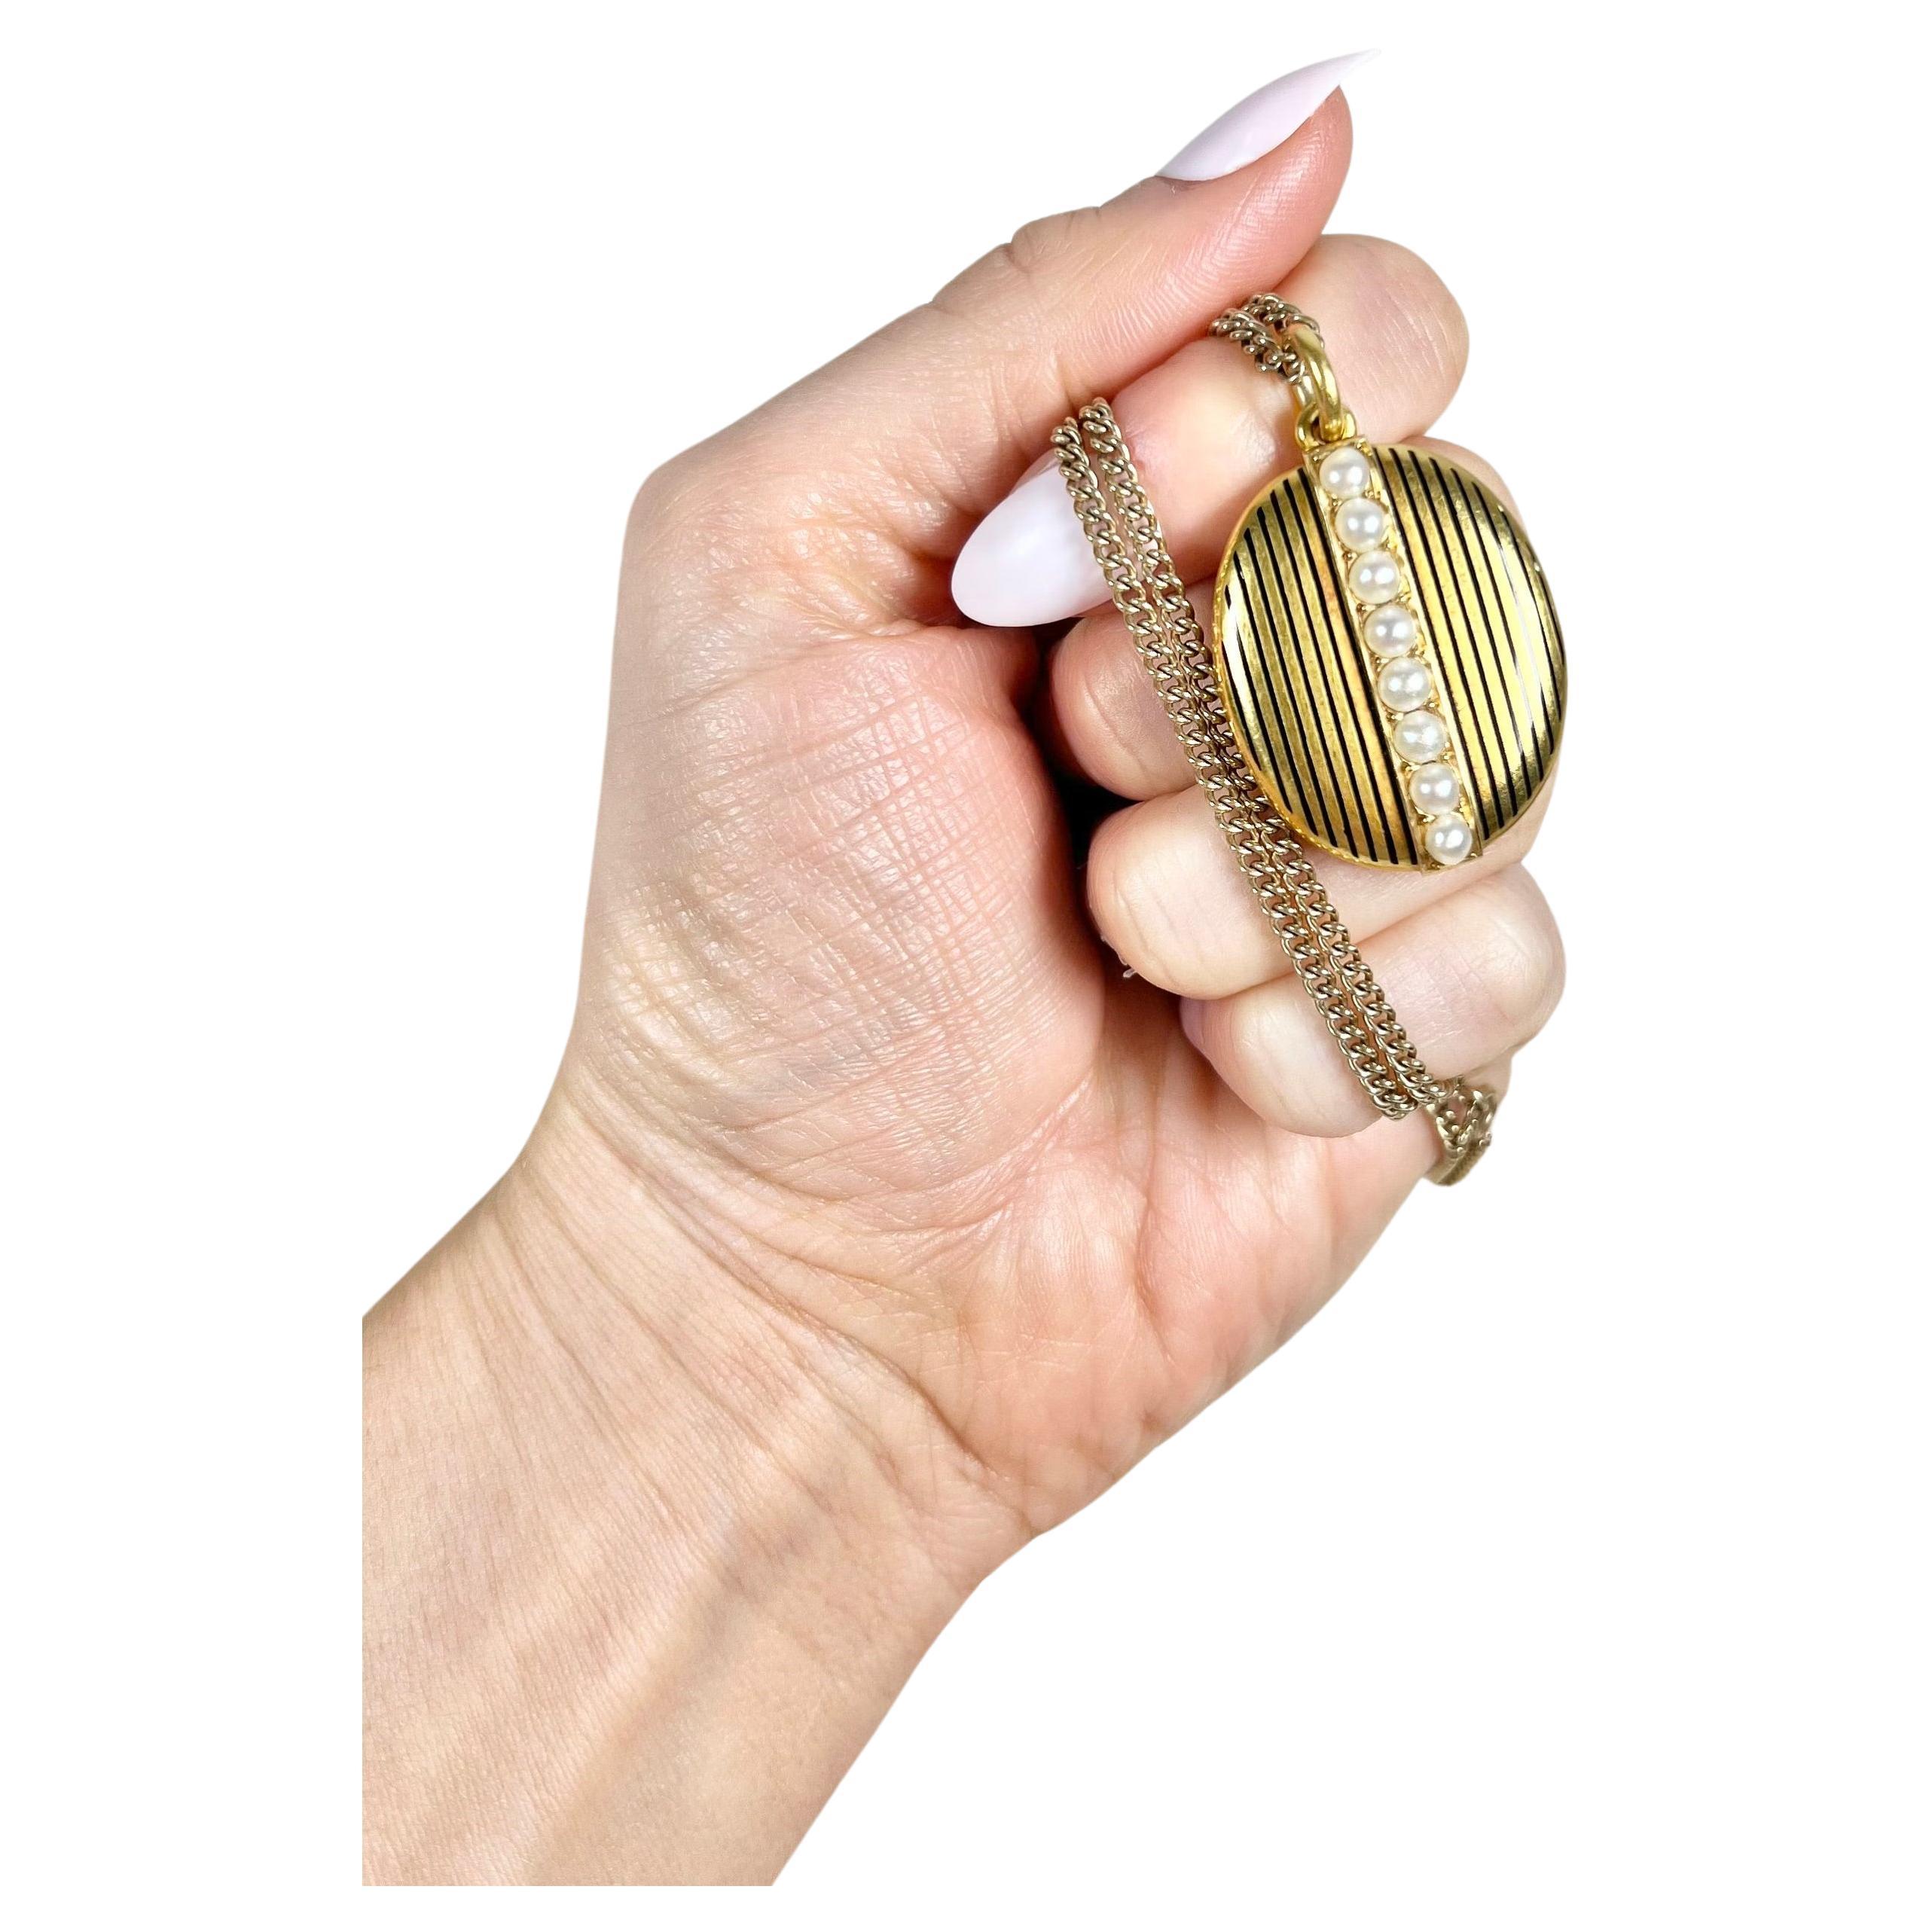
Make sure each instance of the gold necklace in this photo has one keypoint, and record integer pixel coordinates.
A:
(1386, 682)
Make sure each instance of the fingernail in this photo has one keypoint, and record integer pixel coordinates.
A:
(1190, 1019)
(1029, 561)
(1264, 120)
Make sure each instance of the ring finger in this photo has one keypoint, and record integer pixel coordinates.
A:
(1474, 977)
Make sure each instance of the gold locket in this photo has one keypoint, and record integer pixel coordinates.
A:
(1387, 651)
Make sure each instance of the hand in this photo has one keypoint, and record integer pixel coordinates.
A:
(859, 1101)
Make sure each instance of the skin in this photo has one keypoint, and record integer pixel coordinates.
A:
(877, 1222)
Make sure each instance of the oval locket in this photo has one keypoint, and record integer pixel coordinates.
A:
(1389, 656)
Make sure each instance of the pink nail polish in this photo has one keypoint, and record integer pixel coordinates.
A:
(1029, 561)
(1259, 124)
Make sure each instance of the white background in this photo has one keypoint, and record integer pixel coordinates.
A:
(1571, 1570)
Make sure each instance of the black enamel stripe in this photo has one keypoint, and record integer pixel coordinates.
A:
(1461, 687)
(1291, 693)
(1534, 654)
(1541, 659)
(1514, 594)
(1292, 710)
(1495, 648)
(1253, 728)
(1498, 617)
(1552, 687)
(1271, 720)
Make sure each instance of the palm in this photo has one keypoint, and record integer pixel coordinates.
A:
(851, 962)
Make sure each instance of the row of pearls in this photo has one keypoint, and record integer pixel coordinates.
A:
(1392, 629)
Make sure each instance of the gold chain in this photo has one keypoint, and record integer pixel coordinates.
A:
(1125, 536)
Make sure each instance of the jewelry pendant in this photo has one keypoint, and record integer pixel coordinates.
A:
(1388, 654)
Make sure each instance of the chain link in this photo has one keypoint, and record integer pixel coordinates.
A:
(1125, 536)
(1261, 326)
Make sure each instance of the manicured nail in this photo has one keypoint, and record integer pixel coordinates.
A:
(1029, 561)
(1257, 126)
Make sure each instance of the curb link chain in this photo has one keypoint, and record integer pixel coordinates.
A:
(1260, 326)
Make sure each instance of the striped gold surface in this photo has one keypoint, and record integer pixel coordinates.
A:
(1299, 685)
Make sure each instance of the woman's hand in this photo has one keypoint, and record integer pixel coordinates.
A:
(879, 1220)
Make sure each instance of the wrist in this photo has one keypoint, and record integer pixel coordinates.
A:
(641, 1543)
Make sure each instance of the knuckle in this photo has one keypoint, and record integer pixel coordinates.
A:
(1124, 895)
(1089, 698)
(1410, 314)
(1436, 332)
(722, 526)
(1438, 329)
(1251, 1039)
(1045, 243)
(1070, 677)
(1286, 1068)
(667, 516)
(1112, 897)
(1517, 966)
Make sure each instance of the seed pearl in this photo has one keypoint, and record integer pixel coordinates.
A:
(1392, 631)
(1344, 472)
(1375, 577)
(1450, 840)
(1405, 684)
(1435, 789)
(1361, 523)
(1420, 736)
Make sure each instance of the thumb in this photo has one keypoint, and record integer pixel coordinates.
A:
(914, 434)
